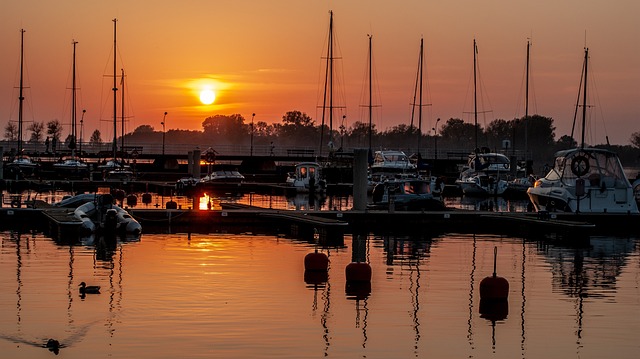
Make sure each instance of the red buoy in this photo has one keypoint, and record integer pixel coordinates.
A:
(316, 261)
(316, 277)
(358, 272)
(494, 287)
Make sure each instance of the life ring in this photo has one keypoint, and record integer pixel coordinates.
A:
(580, 166)
(506, 165)
(15, 203)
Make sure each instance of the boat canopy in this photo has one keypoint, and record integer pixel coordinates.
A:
(599, 167)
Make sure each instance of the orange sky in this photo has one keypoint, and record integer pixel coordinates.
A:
(265, 57)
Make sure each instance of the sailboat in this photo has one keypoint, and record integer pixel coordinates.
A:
(584, 179)
(482, 176)
(115, 168)
(72, 166)
(22, 165)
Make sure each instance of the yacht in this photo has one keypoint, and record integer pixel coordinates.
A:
(484, 174)
(584, 180)
(405, 194)
(307, 177)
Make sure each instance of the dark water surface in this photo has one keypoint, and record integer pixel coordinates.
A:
(244, 296)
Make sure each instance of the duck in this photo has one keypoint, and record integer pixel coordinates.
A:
(53, 346)
(89, 289)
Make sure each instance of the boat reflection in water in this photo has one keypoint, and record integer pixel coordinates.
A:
(213, 292)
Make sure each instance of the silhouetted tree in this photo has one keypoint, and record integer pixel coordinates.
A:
(635, 139)
(226, 129)
(54, 129)
(95, 138)
(37, 130)
(11, 131)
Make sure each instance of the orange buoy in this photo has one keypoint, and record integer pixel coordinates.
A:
(358, 272)
(316, 261)
(494, 287)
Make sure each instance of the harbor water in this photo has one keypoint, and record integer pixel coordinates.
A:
(247, 296)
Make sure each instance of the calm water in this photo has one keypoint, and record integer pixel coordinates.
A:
(244, 296)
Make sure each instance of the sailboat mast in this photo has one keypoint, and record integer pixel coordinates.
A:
(20, 95)
(475, 93)
(122, 110)
(115, 89)
(370, 94)
(584, 94)
(420, 64)
(526, 105)
(72, 144)
(326, 81)
(331, 78)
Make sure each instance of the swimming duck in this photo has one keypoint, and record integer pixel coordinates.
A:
(53, 346)
(89, 289)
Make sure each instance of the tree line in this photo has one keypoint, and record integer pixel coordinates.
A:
(532, 137)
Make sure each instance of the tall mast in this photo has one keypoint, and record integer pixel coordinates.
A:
(327, 81)
(122, 110)
(115, 90)
(72, 143)
(330, 77)
(420, 63)
(20, 95)
(475, 95)
(584, 94)
(526, 106)
(370, 95)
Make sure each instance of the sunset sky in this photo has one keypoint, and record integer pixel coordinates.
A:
(266, 57)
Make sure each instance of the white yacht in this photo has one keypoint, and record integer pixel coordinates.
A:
(306, 178)
(484, 174)
(584, 180)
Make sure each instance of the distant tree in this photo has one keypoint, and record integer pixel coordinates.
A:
(298, 129)
(54, 129)
(635, 139)
(358, 133)
(458, 133)
(144, 129)
(499, 130)
(226, 129)
(566, 142)
(95, 138)
(37, 130)
(11, 131)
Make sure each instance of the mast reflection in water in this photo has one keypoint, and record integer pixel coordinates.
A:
(247, 296)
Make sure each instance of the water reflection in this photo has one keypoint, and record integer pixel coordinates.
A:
(238, 296)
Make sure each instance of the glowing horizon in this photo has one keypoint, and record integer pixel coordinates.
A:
(263, 60)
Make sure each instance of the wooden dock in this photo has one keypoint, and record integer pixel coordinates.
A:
(330, 226)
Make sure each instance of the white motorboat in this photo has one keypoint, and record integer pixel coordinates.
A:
(307, 178)
(584, 180)
(223, 176)
(484, 174)
(391, 162)
(72, 165)
(405, 194)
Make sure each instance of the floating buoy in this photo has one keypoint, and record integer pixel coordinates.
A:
(357, 290)
(316, 261)
(494, 287)
(494, 309)
(146, 198)
(132, 200)
(172, 205)
(118, 194)
(316, 277)
(358, 272)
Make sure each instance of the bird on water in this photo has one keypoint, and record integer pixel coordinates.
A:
(89, 289)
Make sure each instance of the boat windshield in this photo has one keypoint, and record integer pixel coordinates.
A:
(598, 168)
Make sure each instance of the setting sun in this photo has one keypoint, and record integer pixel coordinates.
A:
(207, 96)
